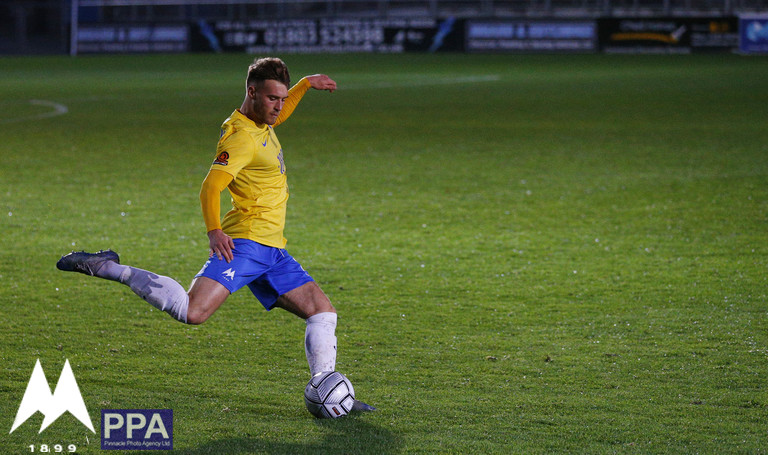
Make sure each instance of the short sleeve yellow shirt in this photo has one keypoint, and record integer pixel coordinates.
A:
(252, 154)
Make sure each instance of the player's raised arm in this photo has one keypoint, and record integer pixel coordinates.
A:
(321, 82)
(315, 81)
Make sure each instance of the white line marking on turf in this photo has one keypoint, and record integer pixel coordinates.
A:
(406, 81)
(425, 81)
(56, 110)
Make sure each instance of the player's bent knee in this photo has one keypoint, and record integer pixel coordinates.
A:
(321, 307)
(199, 311)
(306, 308)
(196, 317)
(205, 297)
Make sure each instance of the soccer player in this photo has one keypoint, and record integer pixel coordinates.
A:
(247, 246)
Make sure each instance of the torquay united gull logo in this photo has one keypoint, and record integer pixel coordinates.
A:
(65, 398)
(229, 273)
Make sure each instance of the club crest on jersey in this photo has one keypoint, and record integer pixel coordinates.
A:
(222, 159)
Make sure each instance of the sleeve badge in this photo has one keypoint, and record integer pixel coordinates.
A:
(222, 159)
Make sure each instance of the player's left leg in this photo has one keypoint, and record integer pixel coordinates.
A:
(306, 301)
(310, 303)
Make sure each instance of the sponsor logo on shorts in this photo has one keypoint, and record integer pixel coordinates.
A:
(229, 274)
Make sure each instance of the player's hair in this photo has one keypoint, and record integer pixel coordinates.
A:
(265, 69)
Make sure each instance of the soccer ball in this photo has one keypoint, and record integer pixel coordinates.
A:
(329, 395)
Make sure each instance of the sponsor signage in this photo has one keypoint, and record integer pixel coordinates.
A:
(753, 36)
(121, 429)
(323, 35)
(136, 429)
(676, 35)
(145, 38)
(530, 35)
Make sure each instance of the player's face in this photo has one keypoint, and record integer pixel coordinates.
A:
(268, 101)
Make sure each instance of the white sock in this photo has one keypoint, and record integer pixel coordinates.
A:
(161, 292)
(320, 342)
(111, 270)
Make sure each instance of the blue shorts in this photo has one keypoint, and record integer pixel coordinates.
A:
(269, 272)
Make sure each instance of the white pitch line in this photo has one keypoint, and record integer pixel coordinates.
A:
(424, 82)
(56, 110)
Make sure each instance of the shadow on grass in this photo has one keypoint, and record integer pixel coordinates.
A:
(348, 435)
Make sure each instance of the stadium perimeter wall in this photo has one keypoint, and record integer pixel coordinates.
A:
(663, 26)
(678, 35)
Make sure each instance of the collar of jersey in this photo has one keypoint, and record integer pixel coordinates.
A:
(248, 122)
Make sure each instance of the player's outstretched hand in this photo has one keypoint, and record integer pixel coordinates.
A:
(321, 82)
(221, 244)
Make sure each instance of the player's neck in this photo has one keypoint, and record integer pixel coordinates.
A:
(247, 110)
(244, 109)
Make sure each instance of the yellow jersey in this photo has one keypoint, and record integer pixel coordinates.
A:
(252, 155)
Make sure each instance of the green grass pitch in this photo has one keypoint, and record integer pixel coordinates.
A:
(529, 254)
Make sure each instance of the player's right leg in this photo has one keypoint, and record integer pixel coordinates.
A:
(205, 297)
(87, 263)
(162, 292)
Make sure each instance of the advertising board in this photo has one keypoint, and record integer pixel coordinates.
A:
(530, 36)
(388, 35)
(753, 34)
(671, 35)
(134, 38)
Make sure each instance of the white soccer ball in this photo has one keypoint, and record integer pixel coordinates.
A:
(329, 395)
